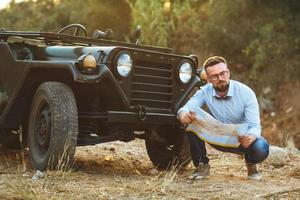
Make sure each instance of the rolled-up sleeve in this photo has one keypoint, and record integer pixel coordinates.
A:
(252, 115)
(197, 100)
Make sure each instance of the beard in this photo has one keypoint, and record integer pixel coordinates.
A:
(222, 86)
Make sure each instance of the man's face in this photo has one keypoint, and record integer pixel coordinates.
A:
(219, 75)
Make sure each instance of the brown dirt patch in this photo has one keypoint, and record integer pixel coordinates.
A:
(122, 170)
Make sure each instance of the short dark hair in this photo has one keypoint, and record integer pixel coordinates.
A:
(211, 61)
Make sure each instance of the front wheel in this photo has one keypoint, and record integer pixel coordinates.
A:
(52, 127)
(168, 147)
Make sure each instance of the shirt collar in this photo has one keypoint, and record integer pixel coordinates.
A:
(229, 94)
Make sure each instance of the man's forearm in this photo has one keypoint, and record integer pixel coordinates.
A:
(255, 130)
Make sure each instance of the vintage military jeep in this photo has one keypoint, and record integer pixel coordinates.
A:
(70, 89)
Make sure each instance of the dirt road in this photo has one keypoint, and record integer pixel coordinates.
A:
(123, 171)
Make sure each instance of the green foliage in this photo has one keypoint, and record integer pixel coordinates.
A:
(155, 25)
(275, 51)
(259, 38)
(158, 24)
(52, 15)
(22, 16)
(109, 14)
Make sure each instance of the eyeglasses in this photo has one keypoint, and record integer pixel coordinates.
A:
(215, 77)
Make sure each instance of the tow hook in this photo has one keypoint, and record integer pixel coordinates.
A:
(142, 112)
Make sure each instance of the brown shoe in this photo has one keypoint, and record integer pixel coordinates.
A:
(253, 173)
(201, 172)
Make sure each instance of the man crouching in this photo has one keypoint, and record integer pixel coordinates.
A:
(230, 102)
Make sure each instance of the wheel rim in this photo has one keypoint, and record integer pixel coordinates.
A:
(42, 127)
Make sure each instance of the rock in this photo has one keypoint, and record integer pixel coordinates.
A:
(113, 149)
(290, 142)
(153, 171)
(108, 158)
(293, 152)
(38, 175)
(277, 156)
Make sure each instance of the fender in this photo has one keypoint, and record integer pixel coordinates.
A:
(25, 86)
(196, 82)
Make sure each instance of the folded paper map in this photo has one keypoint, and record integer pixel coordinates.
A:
(215, 132)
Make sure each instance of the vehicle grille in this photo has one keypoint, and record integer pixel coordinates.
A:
(152, 85)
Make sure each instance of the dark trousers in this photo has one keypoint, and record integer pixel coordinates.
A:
(255, 153)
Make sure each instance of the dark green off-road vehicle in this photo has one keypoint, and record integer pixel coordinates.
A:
(66, 90)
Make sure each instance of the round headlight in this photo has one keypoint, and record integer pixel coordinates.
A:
(185, 72)
(124, 64)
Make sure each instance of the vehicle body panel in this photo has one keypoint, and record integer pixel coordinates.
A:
(150, 96)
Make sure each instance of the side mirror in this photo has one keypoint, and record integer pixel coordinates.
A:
(138, 34)
(195, 59)
(200, 72)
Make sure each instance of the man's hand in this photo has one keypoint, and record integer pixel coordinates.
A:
(187, 117)
(247, 140)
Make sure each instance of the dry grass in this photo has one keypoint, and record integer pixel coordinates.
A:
(17, 182)
(67, 185)
(295, 172)
(125, 175)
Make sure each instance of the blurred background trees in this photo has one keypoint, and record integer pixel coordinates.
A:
(259, 38)
(51, 15)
